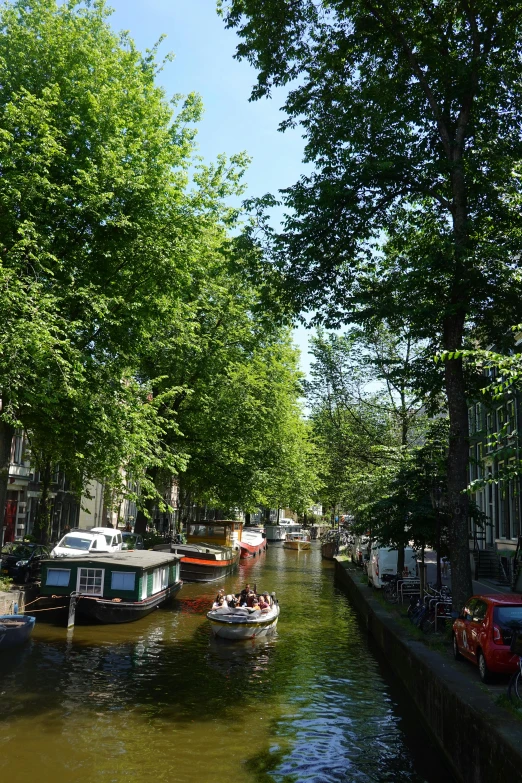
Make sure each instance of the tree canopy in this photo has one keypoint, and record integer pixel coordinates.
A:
(411, 214)
(121, 309)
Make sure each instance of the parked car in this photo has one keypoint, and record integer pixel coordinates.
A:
(79, 542)
(112, 537)
(360, 550)
(483, 631)
(132, 541)
(383, 564)
(21, 561)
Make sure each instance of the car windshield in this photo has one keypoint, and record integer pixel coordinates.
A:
(510, 616)
(75, 542)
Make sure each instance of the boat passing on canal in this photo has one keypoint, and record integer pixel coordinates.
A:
(15, 629)
(243, 623)
(111, 588)
(211, 552)
(252, 542)
(298, 541)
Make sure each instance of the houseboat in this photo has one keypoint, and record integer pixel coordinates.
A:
(211, 552)
(298, 541)
(253, 542)
(278, 531)
(111, 588)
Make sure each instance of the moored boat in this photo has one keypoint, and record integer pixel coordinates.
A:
(329, 550)
(242, 623)
(119, 587)
(278, 531)
(15, 629)
(252, 542)
(298, 541)
(211, 552)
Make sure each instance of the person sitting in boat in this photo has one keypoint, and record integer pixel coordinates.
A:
(251, 599)
(264, 602)
(219, 600)
(235, 600)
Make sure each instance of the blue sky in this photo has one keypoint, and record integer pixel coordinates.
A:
(204, 63)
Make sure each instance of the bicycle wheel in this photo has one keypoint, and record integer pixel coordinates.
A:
(515, 688)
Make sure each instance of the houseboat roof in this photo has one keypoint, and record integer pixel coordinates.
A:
(137, 558)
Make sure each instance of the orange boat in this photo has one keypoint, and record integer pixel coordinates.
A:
(211, 552)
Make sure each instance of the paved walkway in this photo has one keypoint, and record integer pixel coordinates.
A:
(482, 587)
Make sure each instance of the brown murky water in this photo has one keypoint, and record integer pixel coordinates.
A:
(160, 700)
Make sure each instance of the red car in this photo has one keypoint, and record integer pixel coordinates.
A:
(483, 633)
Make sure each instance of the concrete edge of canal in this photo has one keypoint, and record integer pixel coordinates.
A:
(480, 740)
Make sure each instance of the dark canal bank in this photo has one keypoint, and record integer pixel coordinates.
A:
(159, 700)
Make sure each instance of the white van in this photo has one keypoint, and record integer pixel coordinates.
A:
(383, 564)
(112, 537)
(79, 543)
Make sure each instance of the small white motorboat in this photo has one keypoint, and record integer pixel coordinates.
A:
(243, 623)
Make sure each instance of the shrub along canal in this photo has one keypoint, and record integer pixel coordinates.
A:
(160, 700)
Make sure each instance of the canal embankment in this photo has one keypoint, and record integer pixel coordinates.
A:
(481, 741)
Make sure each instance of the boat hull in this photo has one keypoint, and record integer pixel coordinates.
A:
(297, 545)
(201, 569)
(329, 550)
(252, 549)
(16, 630)
(246, 629)
(100, 610)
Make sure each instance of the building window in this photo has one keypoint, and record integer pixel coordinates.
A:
(17, 449)
(501, 418)
(58, 577)
(90, 581)
(478, 417)
(511, 418)
(471, 420)
(122, 580)
(489, 432)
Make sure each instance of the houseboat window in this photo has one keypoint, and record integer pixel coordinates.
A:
(90, 581)
(122, 580)
(58, 577)
(160, 579)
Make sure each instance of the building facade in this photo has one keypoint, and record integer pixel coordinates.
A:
(495, 432)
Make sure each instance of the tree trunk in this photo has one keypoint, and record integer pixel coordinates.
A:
(458, 455)
(6, 438)
(140, 526)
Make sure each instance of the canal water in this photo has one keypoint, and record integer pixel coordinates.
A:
(160, 700)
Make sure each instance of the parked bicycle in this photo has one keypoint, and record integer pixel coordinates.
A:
(431, 611)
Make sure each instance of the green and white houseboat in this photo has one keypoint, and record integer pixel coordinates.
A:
(110, 588)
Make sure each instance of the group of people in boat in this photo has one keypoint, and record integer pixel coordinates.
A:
(246, 599)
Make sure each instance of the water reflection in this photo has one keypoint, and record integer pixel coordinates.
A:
(161, 700)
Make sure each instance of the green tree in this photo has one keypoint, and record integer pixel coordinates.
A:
(96, 234)
(411, 118)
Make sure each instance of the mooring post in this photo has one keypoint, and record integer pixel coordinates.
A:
(72, 610)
